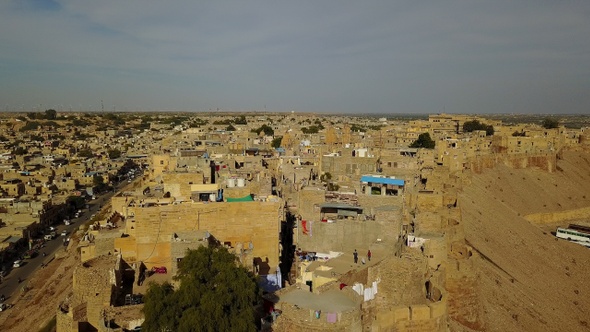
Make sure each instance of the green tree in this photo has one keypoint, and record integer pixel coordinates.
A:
(20, 151)
(32, 125)
(423, 141)
(32, 115)
(50, 114)
(85, 153)
(215, 294)
(80, 123)
(75, 202)
(517, 133)
(268, 131)
(97, 180)
(326, 177)
(356, 127)
(276, 142)
(114, 153)
(310, 130)
(474, 125)
(99, 184)
(550, 123)
(241, 120)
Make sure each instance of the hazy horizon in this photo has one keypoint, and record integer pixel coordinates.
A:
(329, 57)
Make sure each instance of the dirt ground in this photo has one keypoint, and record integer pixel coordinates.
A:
(522, 277)
(47, 288)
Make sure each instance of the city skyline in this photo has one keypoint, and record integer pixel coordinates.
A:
(324, 57)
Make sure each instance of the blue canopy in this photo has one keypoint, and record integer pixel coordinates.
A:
(375, 179)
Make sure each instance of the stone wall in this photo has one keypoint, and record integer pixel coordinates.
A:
(179, 184)
(231, 223)
(546, 161)
(64, 321)
(96, 282)
(559, 216)
(295, 318)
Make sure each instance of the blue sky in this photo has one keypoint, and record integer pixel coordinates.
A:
(309, 56)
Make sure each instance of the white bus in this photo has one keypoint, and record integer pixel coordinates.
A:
(574, 235)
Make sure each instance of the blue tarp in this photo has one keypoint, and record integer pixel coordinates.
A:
(374, 179)
(270, 282)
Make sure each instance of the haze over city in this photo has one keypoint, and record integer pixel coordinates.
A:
(327, 57)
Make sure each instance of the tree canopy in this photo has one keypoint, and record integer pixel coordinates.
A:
(276, 142)
(114, 153)
(85, 153)
(474, 125)
(423, 141)
(215, 294)
(268, 131)
(550, 123)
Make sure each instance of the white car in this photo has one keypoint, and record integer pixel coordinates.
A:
(64, 233)
(17, 263)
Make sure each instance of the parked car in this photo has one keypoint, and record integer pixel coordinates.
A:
(17, 263)
(48, 237)
(4, 306)
(64, 233)
(30, 254)
(159, 269)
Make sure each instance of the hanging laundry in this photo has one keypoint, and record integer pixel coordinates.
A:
(332, 317)
(358, 288)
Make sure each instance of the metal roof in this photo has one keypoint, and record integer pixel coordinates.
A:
(383, 180)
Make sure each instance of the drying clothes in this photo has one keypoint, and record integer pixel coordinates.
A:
(332, 317)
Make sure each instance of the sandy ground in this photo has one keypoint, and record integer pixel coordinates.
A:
(48, 287)
(521, 278)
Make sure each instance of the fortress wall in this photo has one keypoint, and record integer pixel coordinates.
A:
(64, 321)
(415, 318)
(559, 216)
(544, 161)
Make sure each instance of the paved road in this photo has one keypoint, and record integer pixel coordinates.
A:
(10, 285)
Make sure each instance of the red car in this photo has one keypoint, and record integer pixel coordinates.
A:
(161, 269)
